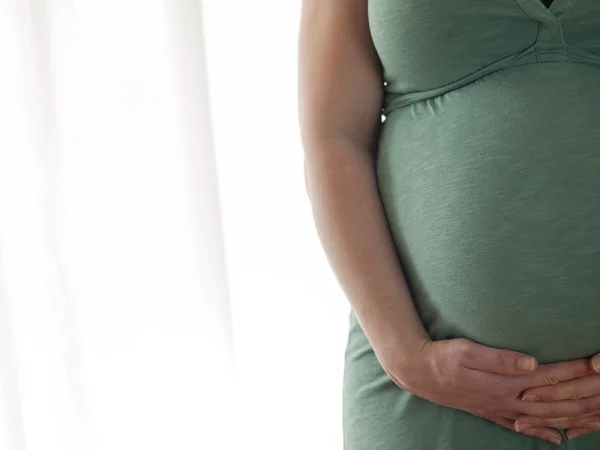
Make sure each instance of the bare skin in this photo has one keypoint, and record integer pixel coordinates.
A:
(340, 99)
(585, 387)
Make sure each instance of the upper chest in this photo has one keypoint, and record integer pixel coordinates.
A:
(428, 43)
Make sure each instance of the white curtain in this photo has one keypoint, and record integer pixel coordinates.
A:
(289, 314)
(130, 274)
(115, 328)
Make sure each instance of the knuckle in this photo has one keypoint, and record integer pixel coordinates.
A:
(550, 379)
(576, 393)
(501, 362)
(464, 348)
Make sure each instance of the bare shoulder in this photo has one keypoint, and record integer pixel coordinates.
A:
(340, 76)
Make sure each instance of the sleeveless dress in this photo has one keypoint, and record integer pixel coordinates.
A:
(489, 173)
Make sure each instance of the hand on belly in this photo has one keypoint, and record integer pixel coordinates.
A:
(489, 383)
(584, 387)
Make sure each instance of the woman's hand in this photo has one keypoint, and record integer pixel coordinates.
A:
(584, 387)
(488, 382)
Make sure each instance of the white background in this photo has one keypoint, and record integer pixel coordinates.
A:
(290, 317)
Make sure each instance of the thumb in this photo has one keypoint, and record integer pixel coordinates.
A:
(493, 360)
(595, 363)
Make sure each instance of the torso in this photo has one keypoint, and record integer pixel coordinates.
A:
(489, 172)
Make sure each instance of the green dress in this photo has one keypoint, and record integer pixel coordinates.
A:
(489, 173)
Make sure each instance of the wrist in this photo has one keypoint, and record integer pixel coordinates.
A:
(403, 357)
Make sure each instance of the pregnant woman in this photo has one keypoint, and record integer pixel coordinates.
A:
(464, 228)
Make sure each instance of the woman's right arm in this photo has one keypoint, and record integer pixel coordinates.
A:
(340, 99)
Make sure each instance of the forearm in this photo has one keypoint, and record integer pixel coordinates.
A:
(350, 221)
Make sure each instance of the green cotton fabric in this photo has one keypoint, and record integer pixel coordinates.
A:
(489, 173)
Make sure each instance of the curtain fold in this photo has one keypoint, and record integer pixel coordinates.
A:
(115, 328)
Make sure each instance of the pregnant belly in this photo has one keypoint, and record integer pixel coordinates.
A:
(492, 194)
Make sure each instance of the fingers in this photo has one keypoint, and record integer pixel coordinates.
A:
(552, 374)
(562, 408)
(504, 423)
(547, 434)
(586, 386)
(492, 360)
(595, 363)
(546, 375)
(589, 422)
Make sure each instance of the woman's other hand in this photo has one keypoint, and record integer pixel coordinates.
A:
(488, 382)
(575, 389)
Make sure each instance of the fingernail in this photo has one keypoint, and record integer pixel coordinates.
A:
(555, 440)
(527, 363)
(530, 398)
(573, 435)
(522, 426)
(596, 363)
